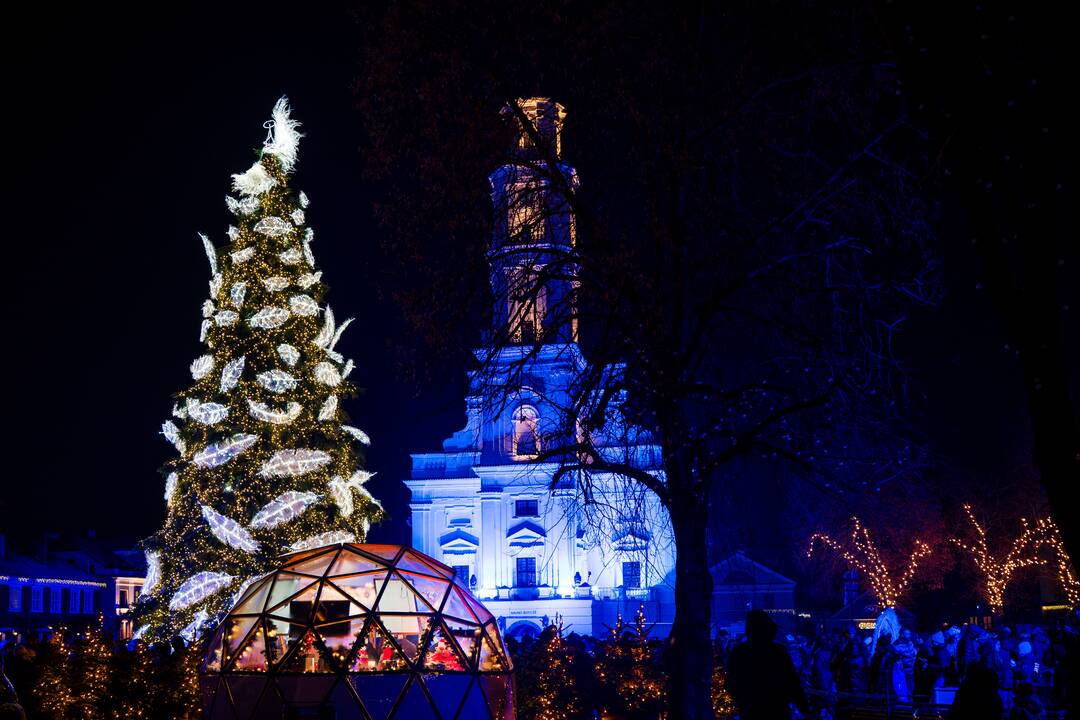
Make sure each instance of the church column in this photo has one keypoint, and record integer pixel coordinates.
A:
(422, 539)
(490, 542)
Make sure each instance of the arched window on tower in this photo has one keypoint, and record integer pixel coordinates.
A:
(526, 305)
(525, 440)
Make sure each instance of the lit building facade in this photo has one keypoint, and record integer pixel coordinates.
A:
(486, 505)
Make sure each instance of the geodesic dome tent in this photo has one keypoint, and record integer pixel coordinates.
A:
(358, 631)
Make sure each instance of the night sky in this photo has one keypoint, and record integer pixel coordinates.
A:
(126, 141)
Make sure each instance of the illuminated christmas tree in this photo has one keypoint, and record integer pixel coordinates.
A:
(627, 670)
(266, 460)
(91, 663)
(53, 688)
(547, 679)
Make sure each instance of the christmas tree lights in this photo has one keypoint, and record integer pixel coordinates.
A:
(628, 671)
(861, 553)
(252, 428)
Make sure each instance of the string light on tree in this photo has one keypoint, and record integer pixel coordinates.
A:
(861, 553)
(1049, 536)
(998, 571)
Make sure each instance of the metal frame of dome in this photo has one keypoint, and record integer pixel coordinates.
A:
(373, 631)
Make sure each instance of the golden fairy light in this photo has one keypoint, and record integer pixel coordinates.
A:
(998, 571)
(861, 553)
(1049, 537)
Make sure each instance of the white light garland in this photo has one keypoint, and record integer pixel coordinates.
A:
(198, 587)
(261, 411)
(309, 279)
(172, 434)
(236, 294)
(359, 435)
(303, 305)
(276, 381)
(269, 318)
(170, 486)
(211, 253)
(206, 413)
(327, 374)
(226, 318)
(153, 571)
(292, 256)
(229, 531)
(277, 283)
(285, 463)
(289, 354)
(201, 366)
(341, 490)
(222, 452)
(273, 226)
(327, 538)
(283, 508)
(240, 257)
(230, 374)
(329, 408)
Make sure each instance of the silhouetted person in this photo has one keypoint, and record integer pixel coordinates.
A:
(978, 697)
(761, 677)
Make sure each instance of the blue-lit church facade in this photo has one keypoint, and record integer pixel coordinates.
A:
(486, 504)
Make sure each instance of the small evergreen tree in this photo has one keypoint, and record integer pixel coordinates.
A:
(547, 679)
(52, 691)
(267, 463)
(631, 680)
(91, 662)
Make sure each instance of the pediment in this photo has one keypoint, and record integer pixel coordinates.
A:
(458, 542)
(526, 534)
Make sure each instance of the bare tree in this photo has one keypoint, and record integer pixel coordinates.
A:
(747, 240)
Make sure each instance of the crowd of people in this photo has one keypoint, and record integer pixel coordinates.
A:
(1019, 672)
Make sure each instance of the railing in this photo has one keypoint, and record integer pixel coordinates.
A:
(621, 593)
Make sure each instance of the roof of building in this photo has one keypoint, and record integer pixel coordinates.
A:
(739, 569)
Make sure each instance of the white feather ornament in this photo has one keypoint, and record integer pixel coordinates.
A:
(289, 354)
(229, 531)
(327, 374)
(226, 318)
(153, 571)
(285, 463)
(197, 587)
(326, 334)
(249, 205)
(239, 257)
(335, 356)
(230, 374)
(329, 408)
(178, 411)
(291, 256)
(233, 204)
(283, 508)
(359, 435)
(206, 413)
(297, 217)
(309, 256)
(222, 452)
(236, 294)
(201, 366)
(254, 181)
(309, 279)
(261, 411)
(283, 139)
(347, 369)
(338, 334)
(303, 305)
(211, 253)
(191, 630)
(172, 434)
(341, 490)
(327, 538)
(215, 285)
(304, 202)
(170, 486)
(276, 381)
(233, 233)
(208, 308)
(269, 317)
(273, 226)
(277, 283)
(204, 328)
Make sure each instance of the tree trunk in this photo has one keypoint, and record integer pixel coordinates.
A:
(689, 650)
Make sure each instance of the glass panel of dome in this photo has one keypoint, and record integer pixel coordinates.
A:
(245, 691)
(496, 639)
(407, 631)
(375, 652)
(491, 658)
(213, 653)
(466, 636)
(431, 589)
(349, 562)
(414, 703)
(315, 565)
(457, 607)
(442, 653)
(385, 552)
(362, 589)
(277, 640)
(252, 655)
(447, 692)
(286, 587)
(398, 597)
(475, 706)
(305, 656)
(379, 692)
(411, 561)
(479, 610)
(499, 695)
(254, 598)
(235, 632)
